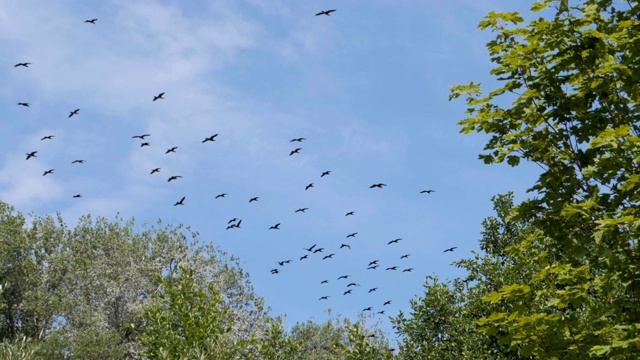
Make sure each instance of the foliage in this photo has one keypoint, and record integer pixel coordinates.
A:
(575, 114)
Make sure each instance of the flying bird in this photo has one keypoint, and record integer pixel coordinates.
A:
(344, 277)
(347, 292)
(296, 151)
(451, 249)
(352, 235)
(275, 227)
(304, 257)
(381, 312)
(311, 248)
(388, 302)
(23, 104)
(181, 202)
(372, 290)
(330, 256)
(302, 210)
(405, 256)
(326, 12)
(408, 270)
(31, 154)
(379, 185)
(325, 173)
(74, 112)
(427, 191)
(324, 282)
(353, 284)
(158, 97)
(173, 149)
(210, 138)
(145, 144)
(48, 172)
(374, 262)
(345, 246)
(77, 162)
(368, 309)
(48, 137)
(373, 267)
(221, 195)
(318, 250)
(140, 136)
(394, 241)
(392, 268)
(153, 171)
(25, 64)
(324, 298)
(92, 21)
(77, 196)
(174, 177)
(298, 140)
(253, 199)
(232, 220)
(350, 213)
(308, 186)
(281, 263)
(274, 271)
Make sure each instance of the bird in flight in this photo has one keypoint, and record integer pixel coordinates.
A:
(324, 298)
(48, 172)
(274, 271)
(326, 12)
(174, 177)
(353, 284)
(344, 277)
(427, 191)
(74, 112)
(451, 249)
(325, 173)
(302, 210)
(298, 140)
(181, 202)
(350, 213)
(31, 154)
(318, 250)
(77, 162)
(77, 196)
(392, 268)
(345, 246)
(232, 220)
(311, 248)
(153, 171)
(408, 270)
(158, 97)
(253, 199)
(388, 302)
(405, 256)
(373, 267)
(173, 149)
(296, 151)
(352, 235)
(308, 186)
(330, 256)
(306, 256)
(281, 263)
(393, 241)
(48, 137)
(145, 144)
(372, 290)
(368, 309)
(23, 104)
(347, 292)
(379, 185)
(24, 64)
(275, 227)
(92, 21)
(381, 312)
(324, 282)
(221, 195)
(210, 138)
(140, 136)
(374, 262)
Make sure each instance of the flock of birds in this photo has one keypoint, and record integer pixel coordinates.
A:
(235, 223)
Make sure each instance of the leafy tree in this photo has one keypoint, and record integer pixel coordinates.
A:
(573, 76)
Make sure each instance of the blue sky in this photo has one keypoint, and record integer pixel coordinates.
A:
(367, 87)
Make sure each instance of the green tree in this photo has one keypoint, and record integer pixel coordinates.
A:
(574, 77)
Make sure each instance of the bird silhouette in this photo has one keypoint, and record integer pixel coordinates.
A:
(74, 112)
(379, 185)
(50, 171)
(232, 220)
(352, 235)
(350, 213)
(153, 171)
(23, 104)
(145, 144)
(381, 312)
(221, 195)
(311, 248)
(31, 154)
(304, 257)
(318, 250)
(324, 282)
(296, 151)
(77, 162)
(48, 137)
(388, 302)
(275, 227)
(326, 12)
(24, 64)
(405, 256)
(274, 271)
(373, 267)
(372, 290)
(367, 309)
(427, 191)
(347, 292)
(324, 298)
(408, 270)
(352, 284)
(181, 202)
(77, 196)
(374, 262)
(451, 249)
(158, 97)
(297, 140)
(253, 199)
(172, 150)
(174, 177)
(281, 263)
(308, 186)
(344, 277)
(393, 241)
(140, 136)
(302, 210)
(210, 138)
(345, 246)
(92, 21)
(392, 268)
(330, 256)
(325, 173)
